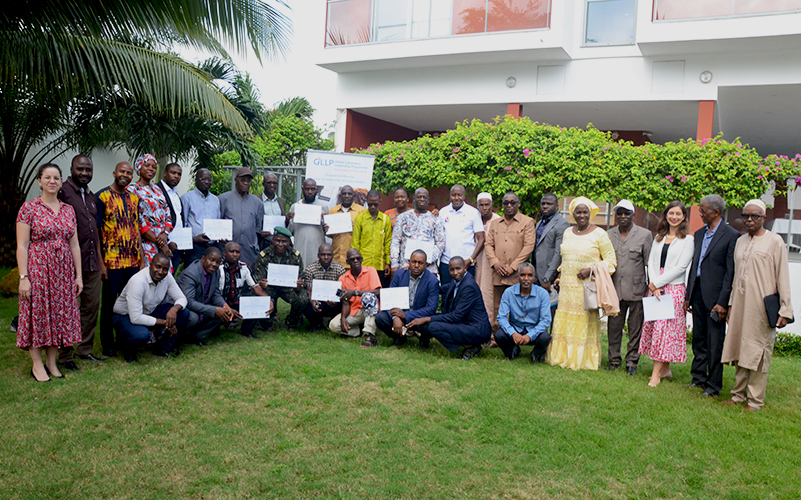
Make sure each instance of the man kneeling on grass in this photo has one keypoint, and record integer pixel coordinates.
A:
(234, 276)
(524, 317)
(142, 310)
(463, 320)
(200, 283)
(357, 282)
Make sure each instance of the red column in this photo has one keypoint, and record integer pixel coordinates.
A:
(515, 109)
(706, 121)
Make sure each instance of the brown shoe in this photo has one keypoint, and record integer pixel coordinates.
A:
(749, 408)
(370, 341)
(730, 402)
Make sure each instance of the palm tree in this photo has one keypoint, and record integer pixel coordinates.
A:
(56, 52)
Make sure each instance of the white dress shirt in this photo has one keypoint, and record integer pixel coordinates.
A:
(141, 296)
(461, 227)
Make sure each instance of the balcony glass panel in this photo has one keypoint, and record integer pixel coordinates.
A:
(348, 22)
(666, 10)
(610, 22)
(510, 15)
(469, 16)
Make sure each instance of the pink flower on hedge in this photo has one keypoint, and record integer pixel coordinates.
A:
(760, 177)
(456, 149)
(369, 150)
(669, 178)
(508, 168)
(526, 152)
(684, 178)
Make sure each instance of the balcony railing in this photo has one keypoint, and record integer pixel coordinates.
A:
(373, 21)
(671, 10)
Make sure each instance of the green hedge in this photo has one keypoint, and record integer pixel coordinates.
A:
(531, 158)
(787, 344)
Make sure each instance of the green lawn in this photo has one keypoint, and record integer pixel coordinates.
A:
(310, 415)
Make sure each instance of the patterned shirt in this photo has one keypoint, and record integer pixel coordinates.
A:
(315, 271)
(423, 227)
(118, 222)
(233, 278)
(267, 256)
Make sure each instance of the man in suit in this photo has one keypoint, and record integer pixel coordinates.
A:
(200, 283)
(423, 298)
(708, 291)
(547, 254)
(632, 248)
(463, 320)
(168, 184)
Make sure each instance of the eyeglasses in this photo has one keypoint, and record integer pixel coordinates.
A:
(751, 216)
(509, 203)
(372, 204)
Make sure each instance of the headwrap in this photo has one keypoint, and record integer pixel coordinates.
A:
(142, 160)
(584, 201)
(484, 196)
(758, 203)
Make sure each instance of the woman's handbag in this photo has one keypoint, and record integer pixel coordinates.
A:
(590, 292)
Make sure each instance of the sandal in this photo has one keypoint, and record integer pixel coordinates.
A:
(370, 341)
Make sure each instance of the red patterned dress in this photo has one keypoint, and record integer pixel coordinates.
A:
(154, 215)
(51, 318)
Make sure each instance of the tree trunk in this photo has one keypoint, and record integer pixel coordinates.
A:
(10, 203)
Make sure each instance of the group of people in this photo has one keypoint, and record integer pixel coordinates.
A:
(474, 278)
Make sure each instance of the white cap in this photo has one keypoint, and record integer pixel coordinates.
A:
(484, 196)
(624, 204)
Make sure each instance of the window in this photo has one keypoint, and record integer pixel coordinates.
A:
(610, 22)
(668, 10)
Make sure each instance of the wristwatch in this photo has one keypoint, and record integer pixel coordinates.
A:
(23, 277)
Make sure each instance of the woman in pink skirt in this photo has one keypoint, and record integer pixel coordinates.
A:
(665, 341)
(49, 260)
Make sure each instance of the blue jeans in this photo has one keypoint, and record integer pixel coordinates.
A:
(131, 337)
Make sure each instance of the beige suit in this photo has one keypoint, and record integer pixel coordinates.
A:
(342, 241)
(511, 243)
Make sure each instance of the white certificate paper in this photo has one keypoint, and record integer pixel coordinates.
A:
(395, 297)
(282, 275)
(307, 214)
(219, 229)
(324, 290)
(338, 223)
(655, 309)
(272, 221)
(254, 307)
(412, 245)
(182, 236)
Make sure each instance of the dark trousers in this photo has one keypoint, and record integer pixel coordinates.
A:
(247, 324)
(297, 299)
(131, 336)
(451, 335)
(199, 329)
(445, 274)
(616, 324)
(507, 344)
(117, 279)
(384, 323)
(326, 311)
(90, 305)
(177, 257)
(708, 337)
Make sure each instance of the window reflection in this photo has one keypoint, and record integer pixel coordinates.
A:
(610, 22)
(665, 10)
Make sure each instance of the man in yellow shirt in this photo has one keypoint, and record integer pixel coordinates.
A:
(372, 237)
(342, 241)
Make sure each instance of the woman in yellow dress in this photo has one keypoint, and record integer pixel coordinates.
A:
(576, 334)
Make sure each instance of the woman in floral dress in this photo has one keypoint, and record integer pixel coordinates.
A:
(576, 334)
(154, 213)
(49, 261)
(665, 341)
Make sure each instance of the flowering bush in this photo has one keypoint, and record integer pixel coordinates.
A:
(531, 158)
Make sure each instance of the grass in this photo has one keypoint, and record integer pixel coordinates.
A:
(310, 415)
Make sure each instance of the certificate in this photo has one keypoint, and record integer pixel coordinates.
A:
(338, 223)
(273, 221)
(654, 309)
(395, 297)
(307, 214)
(324, 290)
(219, 229)
(182, 236)
(426, 246)
(254, 307)
(282, 275)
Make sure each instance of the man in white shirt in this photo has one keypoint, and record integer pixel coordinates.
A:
(464, 233)
(141, 310)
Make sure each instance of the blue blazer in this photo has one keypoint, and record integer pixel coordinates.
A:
(466, 309)
(427, 296)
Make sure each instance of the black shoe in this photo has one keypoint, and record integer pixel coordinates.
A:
(536, 359)
(398, 342)
(611, 367)
(89, 357)
(49, 373)
(70, 365)
(695, 384)
(425, 343)
(471, 352)
(109, 353)
(293, 325)
(316, 326)
(711, 393)
(631, 370)
(175, 351)
(162, 354)
(515, 353)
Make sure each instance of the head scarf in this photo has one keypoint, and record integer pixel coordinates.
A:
(758, 203)
(142, 160)
(584, 201)
(484, 196)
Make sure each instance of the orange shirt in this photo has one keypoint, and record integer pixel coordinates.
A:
(366, 280)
